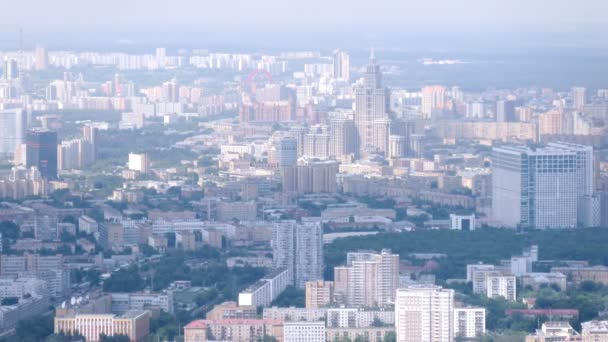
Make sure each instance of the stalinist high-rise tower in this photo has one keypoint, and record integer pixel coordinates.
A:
(371, 117)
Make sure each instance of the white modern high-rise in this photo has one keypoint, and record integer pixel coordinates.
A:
(299, 248)
(341, 65)
(541, 188)
(424, 314)
(370, 106)
(12, 130)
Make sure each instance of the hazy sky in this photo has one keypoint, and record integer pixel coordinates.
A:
(511, 25)
(534, 15)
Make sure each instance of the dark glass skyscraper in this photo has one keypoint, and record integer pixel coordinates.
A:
(41, 152)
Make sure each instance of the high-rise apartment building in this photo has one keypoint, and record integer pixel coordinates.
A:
(13, 124)
(433, 98)
(298, 248)
(550, 123)
(319, 293)
(41, 58)
(541, 188)
(139, 162)
(370, 106)
(310, 176)
(368, 279)
(41, 152)
(424, 314)
(11, 69)
(503, 285)
(287, 152)
(505, 111)
(343, 137)
(469, 323)
(341, 65)
(579, 97)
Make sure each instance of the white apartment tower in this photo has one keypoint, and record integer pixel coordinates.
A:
(13, 124)
(341, 65)
(368, 279)
(501, 285)
(299, 248)
(424, 314)
(469, 323)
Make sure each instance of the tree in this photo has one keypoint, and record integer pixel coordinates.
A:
(34, 329)
(124, 280)
(9, 230)
(114, 338)
(390, 337)
(10, 300)
(62, 337)
(292, 296)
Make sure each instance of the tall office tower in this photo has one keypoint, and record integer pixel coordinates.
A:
(579, 97)
(550, 123)
(343, 137)
(368, 279)
(541, 188)
(341, 65)
(505, 111)
(41, 152)
(299, 248)
(11, 69)
(287, 152)
(433, 97)
(424, 314)
(370, 105)
(42, 58)
(13, 124)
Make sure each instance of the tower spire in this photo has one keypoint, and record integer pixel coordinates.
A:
(372, 54)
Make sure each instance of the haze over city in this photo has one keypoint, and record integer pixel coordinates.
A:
(287, 171)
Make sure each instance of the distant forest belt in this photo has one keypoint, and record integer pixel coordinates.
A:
(483, 245)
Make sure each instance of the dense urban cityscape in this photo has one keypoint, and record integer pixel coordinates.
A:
(198, 194)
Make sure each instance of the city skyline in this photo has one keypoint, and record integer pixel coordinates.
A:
(289, 171)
